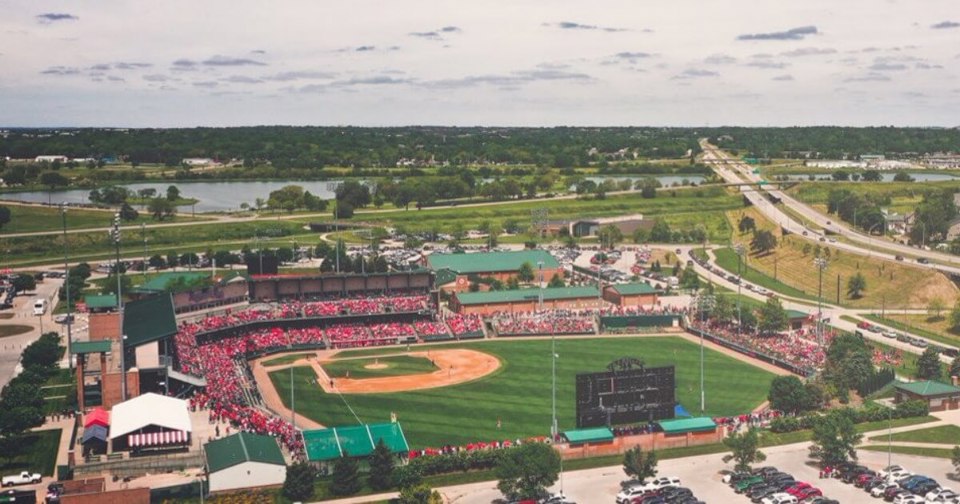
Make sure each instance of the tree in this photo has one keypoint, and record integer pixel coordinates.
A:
(744, 449)
(354, 193)
(24, 282)
(344, 210)
(53, 179)
(773, 317)
(299, 483)
(856, 285)
(763, 242)
(746, 224)
(526, 471)
(156, 261)
(929, 366)
(835, 438)
(314, 203)
(161, 208)
(954, 369)
(346, 476)
(955, 316)
(419, 494)
(146, 193)
(173, 193)
(902, 176)
(525, 274)
(955, 458)
(4, 216)
(639, 465)
(609, 235)
(287, 198)
(110, 284)
(660, 231)
(556, 281)
(381, 467)
(788, 394)
(848, 363)
(935, 308)
(128, 213)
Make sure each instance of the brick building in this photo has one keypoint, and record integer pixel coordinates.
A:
(455, 270)
(631, 294)
(939, 396)
(525, 300)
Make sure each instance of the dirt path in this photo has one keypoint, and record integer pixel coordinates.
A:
(271, 398)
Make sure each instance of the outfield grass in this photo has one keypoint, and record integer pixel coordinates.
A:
(942, 434)
(945, 453)
(396, 366)
(36, 452)
(286, 359)
(519, 392)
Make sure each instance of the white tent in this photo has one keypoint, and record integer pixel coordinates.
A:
(149, 410)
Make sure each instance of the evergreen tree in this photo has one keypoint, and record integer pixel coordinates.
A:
(381, 467)
(299, 483)
(929, 366)
(346, 476)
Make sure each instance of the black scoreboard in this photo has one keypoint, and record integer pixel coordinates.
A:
(626, 395)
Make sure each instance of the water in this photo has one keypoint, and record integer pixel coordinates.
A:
(887, 177)
(665, 180)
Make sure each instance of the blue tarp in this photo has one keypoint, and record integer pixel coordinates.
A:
(679, 411)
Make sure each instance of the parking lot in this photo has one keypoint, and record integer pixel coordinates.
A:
(702, 475)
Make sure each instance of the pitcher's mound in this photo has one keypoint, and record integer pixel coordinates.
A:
(455, 366)
(375, 366)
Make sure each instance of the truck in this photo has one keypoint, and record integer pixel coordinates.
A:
(21, 479)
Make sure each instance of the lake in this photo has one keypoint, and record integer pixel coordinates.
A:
(887, 176)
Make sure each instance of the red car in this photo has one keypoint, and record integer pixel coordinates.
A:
(864, 325)
(799, 487)
(862, 479)
(806, 493)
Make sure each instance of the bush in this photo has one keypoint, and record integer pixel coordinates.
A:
(299, 483)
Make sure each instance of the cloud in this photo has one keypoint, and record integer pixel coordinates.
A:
(776, 65)
(300, 75)
(219, 60)
(784, 77)
(241, 79)
(809, 51)
(570, 25)
(123, 65)
(887, 67)
(184, 65)
(945, 25)
(427, 35)
(870, 77)
(632, 55)
(365, 48)
(720, 59)
(61, 70)
(377, 80)
(114, 78)
(156, 78)
(927, 66)
(510, 81)
(53, 17)
(206, 84)
(798, 33)
(258, 51)
(694, 73)
(100, 67)
(450, 29)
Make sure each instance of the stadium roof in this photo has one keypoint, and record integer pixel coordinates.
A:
(88, 347)
(521, 295)
(149, 409)
(578, 436)
(928, 388)
(633, 289)
(796, 314)
(149, 319)
(159, 283)
(100, 301)
(353, 441)
(242, 447)
(482, 262)
(687, 425)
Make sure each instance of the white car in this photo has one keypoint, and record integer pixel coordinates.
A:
(656, 484)
(941, 495)
(780, 498)
(896, 476)
(21, 479)
(908, 499)
(879, 490)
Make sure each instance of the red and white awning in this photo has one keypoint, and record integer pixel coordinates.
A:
(157, 438)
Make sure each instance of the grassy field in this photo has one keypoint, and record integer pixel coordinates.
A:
(727, 259)
(395, 366)
(768, 438)
(286, 359)
(13, 329)
(817, 192)
(26, 219)
(888, 282)
(36, 452)
(942, 434)
(945, 453)
(519, 392)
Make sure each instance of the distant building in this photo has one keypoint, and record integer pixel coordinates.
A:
(51, 159)
(197, 161)
(942, 161)
(455, 270)
(872, 158)
(898, 223)
(244, 460)
(526, 300)
(835, 163)
(631, 294)
(627, 224)
(953, 229)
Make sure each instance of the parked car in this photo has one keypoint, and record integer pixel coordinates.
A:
(908, 498)
(780, 498)
(880, 490)
(23, 478)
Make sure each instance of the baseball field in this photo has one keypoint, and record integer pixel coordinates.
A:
(518, 393)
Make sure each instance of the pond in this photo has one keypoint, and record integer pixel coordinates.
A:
(886, 176)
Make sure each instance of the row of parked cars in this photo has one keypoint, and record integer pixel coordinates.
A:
(906, 338)
(661, 490)
(896, 484)
(769, 485)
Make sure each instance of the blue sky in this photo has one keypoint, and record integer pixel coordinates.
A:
(512, 63)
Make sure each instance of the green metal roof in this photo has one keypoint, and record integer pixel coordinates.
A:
(491, 261)
(928, 388)
(687, 425)
(100, 301)
(159, 283)
(633, 289)
(242, 447)
(577, 436)
(149, 319)
(88, 347)
(353, 440)
(520, 295)
(795, 314)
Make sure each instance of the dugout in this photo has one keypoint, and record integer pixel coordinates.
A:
(687, 431)
(325, 445)
(526, 300)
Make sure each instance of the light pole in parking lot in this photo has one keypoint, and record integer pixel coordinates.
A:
(740, 251)
(66, 284)
(821, 264)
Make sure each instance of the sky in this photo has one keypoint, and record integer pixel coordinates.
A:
(182, 63)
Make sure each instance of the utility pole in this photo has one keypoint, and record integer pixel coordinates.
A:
(821, 264)
(115, 235)
(143, 233)
(739, 250)
(66, 282)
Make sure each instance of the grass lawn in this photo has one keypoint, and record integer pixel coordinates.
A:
(768, 438)
(945, 453)
(36, 452)
(287, 359)
(890, 282)
(26, 219)
(395, 366)
(942, 434)
(727, 259)
(519, 392)
(13, 330)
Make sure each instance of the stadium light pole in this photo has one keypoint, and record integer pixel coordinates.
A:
(704, 302)
(293, 404)
(821, 264)
(143, 234)
(66, 282)
(740, 251)
(115, 235)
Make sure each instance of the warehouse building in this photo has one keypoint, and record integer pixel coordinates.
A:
(454, 271)
(244, 460)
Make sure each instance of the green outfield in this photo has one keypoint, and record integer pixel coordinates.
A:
(519, 392)
(370, 368)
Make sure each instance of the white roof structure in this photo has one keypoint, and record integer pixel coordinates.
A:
(146, 410)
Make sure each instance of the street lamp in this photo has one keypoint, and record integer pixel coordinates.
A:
(740, 251)
(115, 236)
(821, 264)
(66, 281)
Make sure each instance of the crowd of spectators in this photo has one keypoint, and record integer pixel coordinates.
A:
(462, 325)
(477, 446)
(430, 328)
(546, 322)
(361, 305)
(791, 348)
(616, 310)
